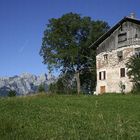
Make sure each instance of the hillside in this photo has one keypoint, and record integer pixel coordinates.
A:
(70, 117)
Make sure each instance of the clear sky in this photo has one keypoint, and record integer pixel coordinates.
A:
(22, 23)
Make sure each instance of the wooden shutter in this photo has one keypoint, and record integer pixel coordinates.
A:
(100, 75)
(104, 74)
(122, 72)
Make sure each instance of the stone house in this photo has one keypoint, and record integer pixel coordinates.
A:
(114, 48)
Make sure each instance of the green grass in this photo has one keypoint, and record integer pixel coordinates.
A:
(109, 117)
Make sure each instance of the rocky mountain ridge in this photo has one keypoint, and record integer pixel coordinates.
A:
(25, 83)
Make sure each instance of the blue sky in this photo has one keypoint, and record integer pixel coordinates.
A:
(22, 23)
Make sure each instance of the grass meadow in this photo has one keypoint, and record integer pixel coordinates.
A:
(62, 117)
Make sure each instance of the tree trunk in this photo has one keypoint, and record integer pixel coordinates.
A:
(78, 82)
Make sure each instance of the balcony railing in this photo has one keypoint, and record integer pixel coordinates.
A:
(131, 41)
(134, 41)
(128, 42)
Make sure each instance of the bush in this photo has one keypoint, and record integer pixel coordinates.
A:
(122, 87)
(11, 93)
(41, 88)
(52, 88)
(133, 66)
(62, 86)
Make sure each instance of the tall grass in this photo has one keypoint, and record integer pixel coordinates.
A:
(70, 117)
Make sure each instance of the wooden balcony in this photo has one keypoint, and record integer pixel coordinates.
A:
(131, 41)
(127, 42)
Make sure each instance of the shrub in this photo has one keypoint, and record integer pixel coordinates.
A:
(133, 66)
(122, 87)
(41, 88)
(11, 93)
(52, 88)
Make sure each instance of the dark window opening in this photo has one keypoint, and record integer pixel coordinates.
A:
(120, 55)
(136, 35)
(120, 58)
(102, 75)
(105, 56)
(122, 37)
(137, 55)
(137, 52)
(122, 72)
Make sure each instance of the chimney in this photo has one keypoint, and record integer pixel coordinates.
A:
(132, 15)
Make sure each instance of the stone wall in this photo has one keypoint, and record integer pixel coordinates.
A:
(121, 42)
(112, 64)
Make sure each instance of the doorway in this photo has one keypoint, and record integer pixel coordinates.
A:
(102, 89)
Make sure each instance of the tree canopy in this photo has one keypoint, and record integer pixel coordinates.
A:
(66, 42)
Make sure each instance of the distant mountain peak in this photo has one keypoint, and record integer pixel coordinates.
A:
(25, 83)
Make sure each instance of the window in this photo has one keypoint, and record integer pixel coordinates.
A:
(105, 56)
(122, 72)
(136, 35)
(102, 75)
(122, 37)
(137, 52)
(120, 55)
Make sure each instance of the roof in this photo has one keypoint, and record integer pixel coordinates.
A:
(108, 33)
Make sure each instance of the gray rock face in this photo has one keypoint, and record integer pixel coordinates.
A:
(25, 83)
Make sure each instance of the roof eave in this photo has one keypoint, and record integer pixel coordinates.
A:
(108, 33)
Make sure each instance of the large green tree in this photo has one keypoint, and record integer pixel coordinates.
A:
(133, 66)
(66, 42)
